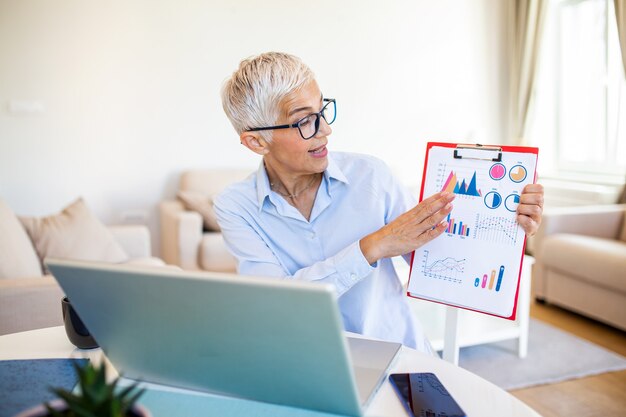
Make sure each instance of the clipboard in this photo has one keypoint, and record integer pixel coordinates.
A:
(476, 263)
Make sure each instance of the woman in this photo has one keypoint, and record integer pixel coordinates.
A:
(334, 218)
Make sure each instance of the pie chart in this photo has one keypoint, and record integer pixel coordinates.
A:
(511, 202)
(493, 200)
(518, 173)
(497, 171)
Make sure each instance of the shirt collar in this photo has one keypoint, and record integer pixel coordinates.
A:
(333, 171)
(263, 183)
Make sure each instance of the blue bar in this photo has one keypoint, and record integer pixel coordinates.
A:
(460, 227)
(500, 278)
(454, 231)
(467, 232)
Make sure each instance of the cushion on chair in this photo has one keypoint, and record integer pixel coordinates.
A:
(198, 187)
(73, 233)
(214, 256)
(597, 260)
(18, 258)
(202, 204)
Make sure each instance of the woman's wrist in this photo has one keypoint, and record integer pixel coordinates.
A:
(370, 248)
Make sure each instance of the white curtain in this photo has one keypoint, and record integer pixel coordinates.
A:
(620, 13)
(525, 21)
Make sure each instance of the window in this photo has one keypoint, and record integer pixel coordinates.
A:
(580, 102)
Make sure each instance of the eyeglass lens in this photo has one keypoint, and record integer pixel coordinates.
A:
(310, 125)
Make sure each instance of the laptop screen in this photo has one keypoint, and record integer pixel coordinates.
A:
(263, 339)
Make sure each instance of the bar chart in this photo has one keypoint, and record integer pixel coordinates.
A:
(488, 281)
(457, 227)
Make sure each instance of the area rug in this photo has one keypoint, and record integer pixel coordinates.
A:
(553, 356)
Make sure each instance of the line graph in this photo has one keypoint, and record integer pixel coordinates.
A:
(446, 269)
(496, 229)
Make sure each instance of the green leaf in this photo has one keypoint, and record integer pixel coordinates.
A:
(96, 397)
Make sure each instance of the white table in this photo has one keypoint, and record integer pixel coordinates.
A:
(477, 397)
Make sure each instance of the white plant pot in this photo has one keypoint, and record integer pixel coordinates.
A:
(41, 411)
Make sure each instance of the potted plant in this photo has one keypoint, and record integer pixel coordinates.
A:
(96, 398)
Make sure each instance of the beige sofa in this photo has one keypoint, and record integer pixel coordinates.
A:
(581, 261)
(28, 303)
(29, 299)
(186, 240)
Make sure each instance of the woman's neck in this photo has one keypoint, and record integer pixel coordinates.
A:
(291, 185)
(298, 190)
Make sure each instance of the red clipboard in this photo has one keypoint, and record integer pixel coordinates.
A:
(493, 153)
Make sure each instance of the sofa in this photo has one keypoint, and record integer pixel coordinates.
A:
(580, 263)
(190, 235)
(29, 297)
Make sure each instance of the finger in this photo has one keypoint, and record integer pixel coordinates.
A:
(431, 233)
(533, 188)
(432, 205)
(532, 210)
(529, 225)
(534, 199)
(436, 218)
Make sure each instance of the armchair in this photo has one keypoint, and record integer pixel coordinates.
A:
(581, 261)
(184, 240)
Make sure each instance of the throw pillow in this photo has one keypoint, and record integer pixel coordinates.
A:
(17, 255)
(74, 233)
(195, 201)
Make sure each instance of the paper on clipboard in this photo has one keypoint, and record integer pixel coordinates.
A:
(476, 264)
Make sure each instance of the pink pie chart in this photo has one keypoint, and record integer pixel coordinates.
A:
(497, 171)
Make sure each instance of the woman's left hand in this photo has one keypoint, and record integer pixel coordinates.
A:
(530, 208)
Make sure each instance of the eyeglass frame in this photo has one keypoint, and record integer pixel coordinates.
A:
(319, 115)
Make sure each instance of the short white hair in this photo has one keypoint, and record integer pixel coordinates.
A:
(251, 97)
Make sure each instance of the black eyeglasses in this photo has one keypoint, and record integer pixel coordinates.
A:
(309, 126)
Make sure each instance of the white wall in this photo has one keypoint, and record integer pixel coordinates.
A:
(130, 89)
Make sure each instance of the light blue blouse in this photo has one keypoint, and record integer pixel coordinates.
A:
(357, 196)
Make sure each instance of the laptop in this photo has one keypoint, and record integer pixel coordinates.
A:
(264, 339)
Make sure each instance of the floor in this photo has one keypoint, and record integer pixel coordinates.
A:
(601, 395)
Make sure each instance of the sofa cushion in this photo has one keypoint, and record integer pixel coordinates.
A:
(30, 303)
(214, 256)
(592, 259)
(74, 233)
(202, 204)
(17, 254)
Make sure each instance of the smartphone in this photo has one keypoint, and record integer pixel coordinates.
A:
(423, 395)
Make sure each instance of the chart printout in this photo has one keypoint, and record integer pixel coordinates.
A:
(476, 262)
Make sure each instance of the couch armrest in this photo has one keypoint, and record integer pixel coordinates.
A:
(181, 235)
(599, 221)
(134, 239)
(29, 303)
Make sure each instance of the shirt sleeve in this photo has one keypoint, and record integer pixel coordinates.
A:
(400, 200)
(255, 257)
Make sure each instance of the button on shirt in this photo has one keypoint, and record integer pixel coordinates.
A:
(357, 196)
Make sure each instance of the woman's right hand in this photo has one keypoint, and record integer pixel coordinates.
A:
(409, 231)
